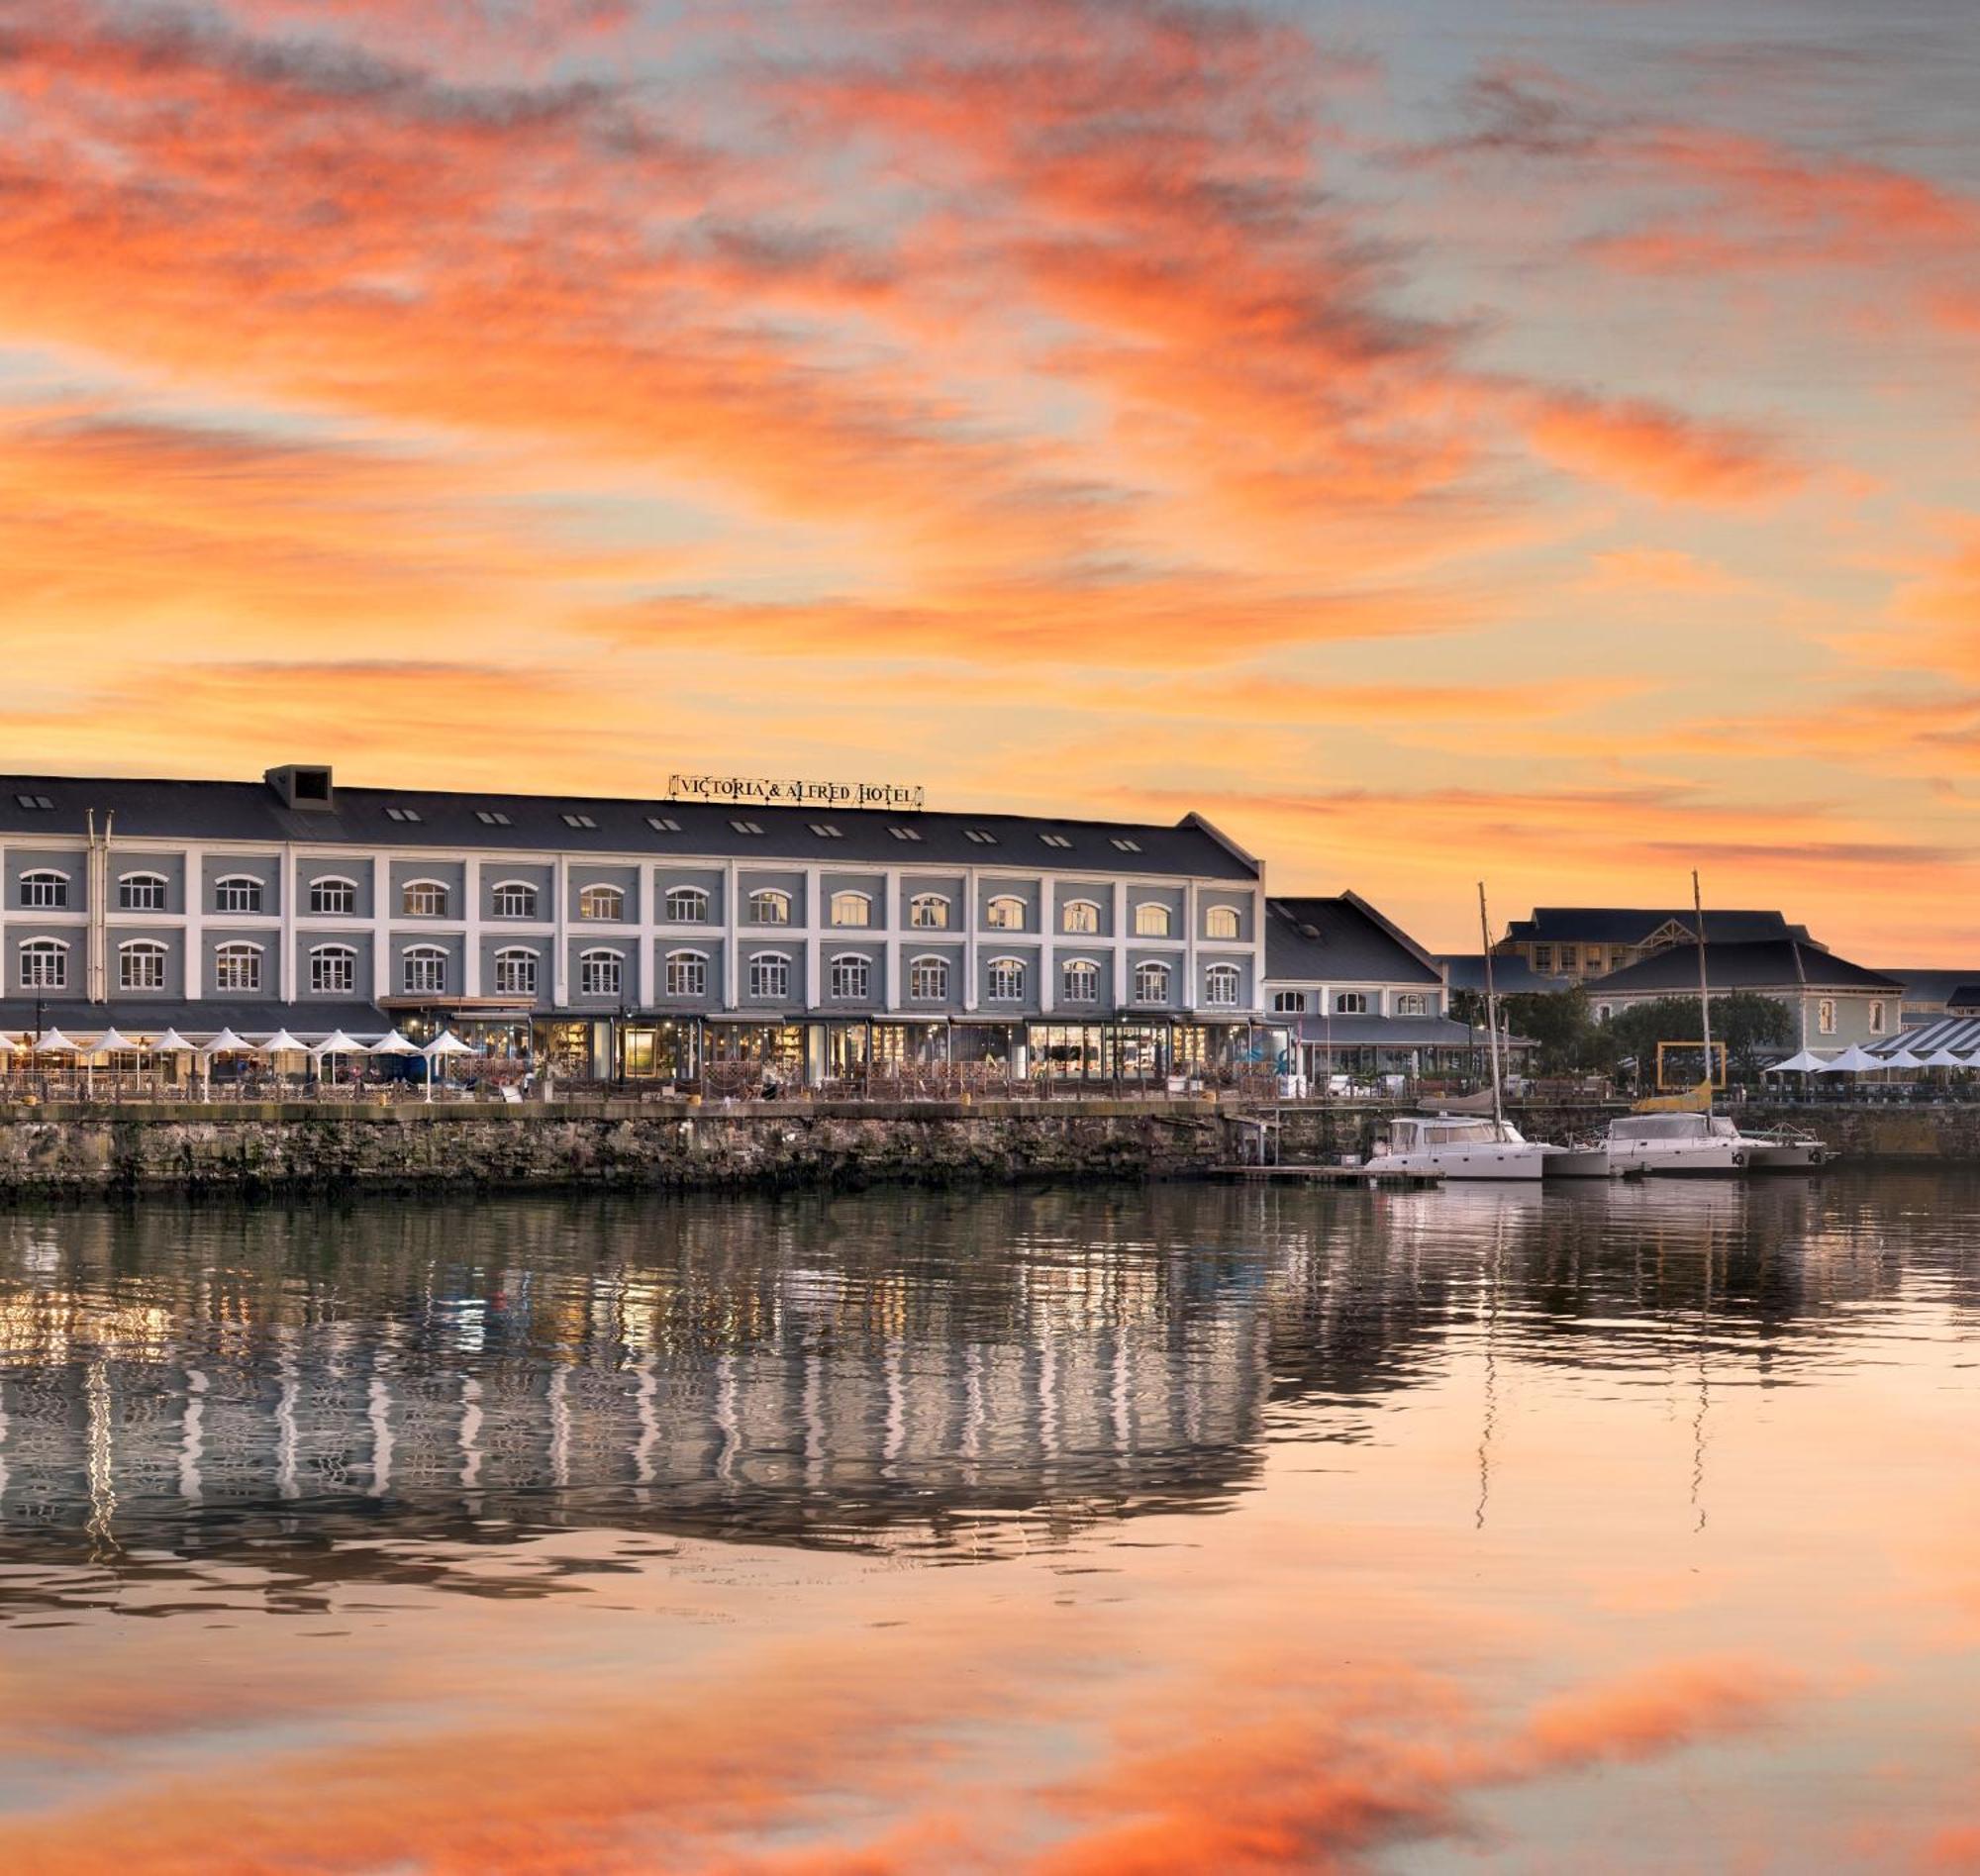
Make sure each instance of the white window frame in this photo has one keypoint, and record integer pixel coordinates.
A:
(850, 978)
(43, 964)
(678, 897)
(599, 892)
(1154, 919)
(1824, 1017)
(1217, 979)
(322, 955)
(347, 888)
(846, 900)
(925, 903)
(227, 962)
(1003, 980)
(1080, 916)
(151, 952)
(770, 976)
(424, 887)
(513, 891)
(245, 887)
(1350, 1003)
(156, 886)
(1147, 972)
(1412, 1003)
(510, 981)
(997, 908)
(1877, 1016)
(601, 972)
(1226, 924)
(1090, 973)
(768, 898)
(927, 979)
(1289, 1003)
(686, 973)
(419, 962)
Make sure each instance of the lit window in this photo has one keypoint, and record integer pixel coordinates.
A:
(424, 899)
(904, 833)
(927, 979)
(850, 978)
(663, 823)
(141, 891)
(1221, 922)
(1127, 845)
(1543, 959)
(1570, 958)
(140, 967)
(687, 905)
(601, 902)
(1153, 919)
(515, 899)
(1220, 987)
(770, 976)
(238, 892)
(336, 898)
(1825, 1016)
(1350, 1003)
(579, 821)
(1409, 1002)
(1289, 1002)
(515, 973)
(769, 906)
(600, 973)
(929, 911)
(1005, 914)
(851, 908)
(1080, 915)
(425, 970)
(1007, 980)
(492, 818)
(237, 967)
(687, 974)
(332, 970)
(1079, 982)
(43, 964)
(1151, 983)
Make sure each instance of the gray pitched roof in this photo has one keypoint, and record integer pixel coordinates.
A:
(1632, 925)
(1935, 986)
(1511, 975)
(1778, 964)
(1393, 1031)
(1340, 939)
(251, 811)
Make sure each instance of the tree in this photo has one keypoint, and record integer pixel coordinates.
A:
(1743, 1021)
(1557, 1019)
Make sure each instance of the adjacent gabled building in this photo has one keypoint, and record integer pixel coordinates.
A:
(1580, 942)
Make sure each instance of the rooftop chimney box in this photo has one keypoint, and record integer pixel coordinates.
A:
(303, 785)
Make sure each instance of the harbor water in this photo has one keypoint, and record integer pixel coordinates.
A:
(1065, 1531)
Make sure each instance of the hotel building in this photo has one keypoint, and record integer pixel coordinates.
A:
(662, 940)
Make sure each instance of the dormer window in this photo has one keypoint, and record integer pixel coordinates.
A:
(982, 837)
(826, 831)
(904, 833)
(1056, 840)
(492, 818)
(402, 814)
(580, 820)
(748, 827)
(1127, 845)
(35, 804)
(663, 823)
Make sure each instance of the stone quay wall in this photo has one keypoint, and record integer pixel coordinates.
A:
(304, 1148)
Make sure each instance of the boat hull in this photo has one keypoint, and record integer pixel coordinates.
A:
(1467, 1162)
(1582, 1162)
(1668, 1157)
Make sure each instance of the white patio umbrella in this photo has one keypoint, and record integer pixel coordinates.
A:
(1901, 1057)
(225, 1044)
(1806, 1064)
(443, 1045)
(283, 1043)
(1854, 1061)
(172, 1044)
(395, 1045)
(333, 1045)
(111, 1043)
(1946, 1058)
(53, 1043)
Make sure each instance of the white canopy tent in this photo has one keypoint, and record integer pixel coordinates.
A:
(437, 1052)
(395, 1044)
(1901, 1057)
(1946, 1058)
(1854, 1061)
(1806, 1064)
(283, 1043)
(333, 1045)
(53, 1043)
(225, 1044)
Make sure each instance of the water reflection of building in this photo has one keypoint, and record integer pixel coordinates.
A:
(161, 1385)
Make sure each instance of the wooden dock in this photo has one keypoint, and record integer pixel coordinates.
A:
(1328, 1176)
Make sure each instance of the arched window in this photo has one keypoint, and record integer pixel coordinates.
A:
(141, 966)
(1007, 980)
(600, 973)
(1876, 1017)
(334, 897)
(602, 902)
(1220, 987)
(45, 964)
(851, 978)
(1221, 922)
(1289, 1003)
(237, 966)
(141, 891)
(332, 970)
(424, 899)
(1824, 1017)
(1350, 1003)
(237, 892)
(45, 890)
(687, 974)
(1005, 914)
(770, 976)
(425, 970)
(927, 979)
(769, 906)
(1079, 982)
(851, 908)
(1079, 915)
(1411, 1003)
(929, 911)
(515, 971)
(1152, 918)
(1151, 983)
(515, 899)
(687, 905)
(1604, 1011)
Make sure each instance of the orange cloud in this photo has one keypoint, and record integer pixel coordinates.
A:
(1663, 453)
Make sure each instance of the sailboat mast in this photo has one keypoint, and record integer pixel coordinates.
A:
(1491, 1012)
(1704, 993)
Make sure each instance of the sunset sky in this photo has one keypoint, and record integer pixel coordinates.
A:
(1536, 438)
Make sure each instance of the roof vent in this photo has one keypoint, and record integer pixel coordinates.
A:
(303, 785)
